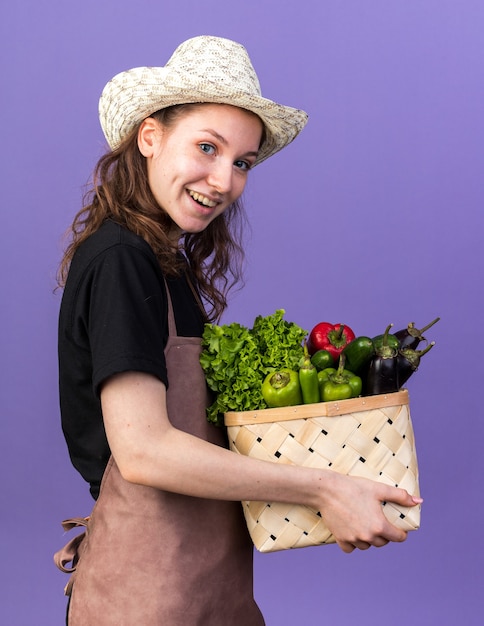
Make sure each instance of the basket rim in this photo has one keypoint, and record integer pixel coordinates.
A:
(320, 409)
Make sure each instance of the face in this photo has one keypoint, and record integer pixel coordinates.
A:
(199, 166)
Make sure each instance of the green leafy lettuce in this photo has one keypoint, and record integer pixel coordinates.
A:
(236, 359)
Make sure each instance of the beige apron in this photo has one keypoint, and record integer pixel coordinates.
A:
(152, 558)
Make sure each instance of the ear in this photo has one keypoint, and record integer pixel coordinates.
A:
(148, 135)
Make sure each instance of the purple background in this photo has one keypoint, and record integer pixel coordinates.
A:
(374, 215)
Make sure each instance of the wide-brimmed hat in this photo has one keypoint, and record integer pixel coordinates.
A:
(202, 69)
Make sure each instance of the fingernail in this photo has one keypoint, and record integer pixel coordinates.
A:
(417, 500)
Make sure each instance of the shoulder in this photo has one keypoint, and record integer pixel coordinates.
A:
(108, 237)
(114, 249)
(113, 268)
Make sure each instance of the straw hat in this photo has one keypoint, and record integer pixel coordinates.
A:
(202, 69)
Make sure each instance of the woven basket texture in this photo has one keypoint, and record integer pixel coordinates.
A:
(376, 443)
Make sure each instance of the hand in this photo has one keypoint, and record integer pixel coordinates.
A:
(353, 512)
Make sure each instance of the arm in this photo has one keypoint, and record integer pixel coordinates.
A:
(150, 451)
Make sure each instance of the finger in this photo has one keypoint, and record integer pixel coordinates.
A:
(394, 534)
(346, 546)
(362, 545)
(380, 542)
(401, 496)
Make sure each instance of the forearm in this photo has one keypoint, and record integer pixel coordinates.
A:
(150, 451)
(185, 464)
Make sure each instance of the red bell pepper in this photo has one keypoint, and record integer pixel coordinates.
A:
(330, 337)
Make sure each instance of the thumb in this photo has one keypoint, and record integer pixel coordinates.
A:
(402, 497)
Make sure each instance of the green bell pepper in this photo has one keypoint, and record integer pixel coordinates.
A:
(282, 388)
(338, 384)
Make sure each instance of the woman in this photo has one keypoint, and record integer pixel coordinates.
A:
(166, 542)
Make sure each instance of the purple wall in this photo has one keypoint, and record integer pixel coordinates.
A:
(374, 215)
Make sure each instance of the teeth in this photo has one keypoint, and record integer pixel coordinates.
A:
(202, 199)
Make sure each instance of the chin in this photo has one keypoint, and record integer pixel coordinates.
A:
(197, 226)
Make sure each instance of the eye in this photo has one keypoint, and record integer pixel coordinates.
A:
(243, 165)
(207, 148)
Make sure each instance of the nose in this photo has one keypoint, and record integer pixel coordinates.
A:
(220, 176)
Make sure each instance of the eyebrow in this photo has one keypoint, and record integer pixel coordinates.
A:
(224, 141)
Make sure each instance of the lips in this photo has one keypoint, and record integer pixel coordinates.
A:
(201, 199)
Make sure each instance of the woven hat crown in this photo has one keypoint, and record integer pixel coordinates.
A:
(203, 69)
(216, 60)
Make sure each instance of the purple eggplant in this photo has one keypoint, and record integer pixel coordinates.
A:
(382, 376)
(411, 337)
(408, 361)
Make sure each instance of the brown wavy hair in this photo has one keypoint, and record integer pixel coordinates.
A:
(120, 192)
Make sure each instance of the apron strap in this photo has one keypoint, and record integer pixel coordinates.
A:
(172, 331)
(70, 552)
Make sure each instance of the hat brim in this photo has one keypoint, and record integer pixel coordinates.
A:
(134, 95)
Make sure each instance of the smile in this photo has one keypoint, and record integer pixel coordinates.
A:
(203, 200)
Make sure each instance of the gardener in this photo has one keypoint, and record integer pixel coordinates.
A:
(166, 542)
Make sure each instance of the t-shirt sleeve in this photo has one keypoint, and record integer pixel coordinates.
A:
(124, 308)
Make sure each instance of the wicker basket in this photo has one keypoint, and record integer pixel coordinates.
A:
(368, 436)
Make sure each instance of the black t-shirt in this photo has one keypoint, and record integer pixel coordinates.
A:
(113, 318)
